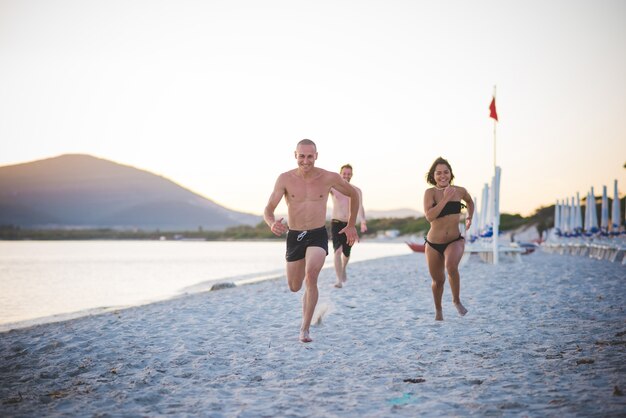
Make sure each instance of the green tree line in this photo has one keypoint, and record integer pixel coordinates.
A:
(543, 219)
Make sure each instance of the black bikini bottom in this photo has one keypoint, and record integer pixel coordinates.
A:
(442, 247)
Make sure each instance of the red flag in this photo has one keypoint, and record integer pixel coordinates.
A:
(492, 109)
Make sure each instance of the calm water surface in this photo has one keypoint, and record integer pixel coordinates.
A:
(41, 281)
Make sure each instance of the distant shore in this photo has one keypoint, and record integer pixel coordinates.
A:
(377, 227)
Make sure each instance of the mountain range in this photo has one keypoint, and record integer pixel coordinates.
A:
(82, 191)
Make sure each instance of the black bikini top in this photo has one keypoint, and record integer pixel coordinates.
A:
(450, 208)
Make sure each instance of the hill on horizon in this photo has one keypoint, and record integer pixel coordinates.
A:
(83, 191)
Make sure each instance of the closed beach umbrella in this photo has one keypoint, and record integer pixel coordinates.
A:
(565, 218)
(586, 218)
(572, 217)
(571, 220)
(489, 216)
(568, 217)
(557, 218)
(615, 213)
(578, 216)
(494, 211)
(604, 214)
(496, 201)
(484, 212)
(562, 216)
(474, 228)
(593, 214)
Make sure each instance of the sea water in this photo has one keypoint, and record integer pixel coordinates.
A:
(43, 281)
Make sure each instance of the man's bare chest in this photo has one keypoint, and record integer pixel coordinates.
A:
(302, 191)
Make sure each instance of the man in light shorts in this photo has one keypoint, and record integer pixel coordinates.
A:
(339, 220)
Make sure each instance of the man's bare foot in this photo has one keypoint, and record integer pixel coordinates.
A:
(338, 285)
(438, 315)
(304, 337)
(460, 308)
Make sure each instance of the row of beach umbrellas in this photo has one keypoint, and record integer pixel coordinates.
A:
(487, 214)
(569, 222)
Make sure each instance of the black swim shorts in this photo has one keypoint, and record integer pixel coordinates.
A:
(299, 241)
(340, 240)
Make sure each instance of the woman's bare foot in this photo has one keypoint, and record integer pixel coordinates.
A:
(304, 337)
(338, 285)
(460, 308)
(438, 315)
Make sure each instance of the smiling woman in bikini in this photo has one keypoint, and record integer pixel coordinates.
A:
(444, 242)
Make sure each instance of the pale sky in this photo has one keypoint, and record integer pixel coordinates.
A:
(214, 95)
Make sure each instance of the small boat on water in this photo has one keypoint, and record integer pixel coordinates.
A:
(418, 248)
(529, 247)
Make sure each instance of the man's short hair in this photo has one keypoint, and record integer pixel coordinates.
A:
(307, 142)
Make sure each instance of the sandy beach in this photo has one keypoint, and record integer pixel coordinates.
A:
(544, 337)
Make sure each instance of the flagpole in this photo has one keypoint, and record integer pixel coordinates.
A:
(494, 135)
(495, 185)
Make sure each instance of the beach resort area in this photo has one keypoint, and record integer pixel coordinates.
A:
(544, 336)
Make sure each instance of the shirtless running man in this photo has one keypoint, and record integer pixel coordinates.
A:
(306, 191)
(341, 213)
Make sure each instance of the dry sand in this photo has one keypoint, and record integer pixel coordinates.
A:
(545, 337)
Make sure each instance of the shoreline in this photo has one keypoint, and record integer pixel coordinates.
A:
(50, 281)
(211, 286)
(200, 287)
(543, 337)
